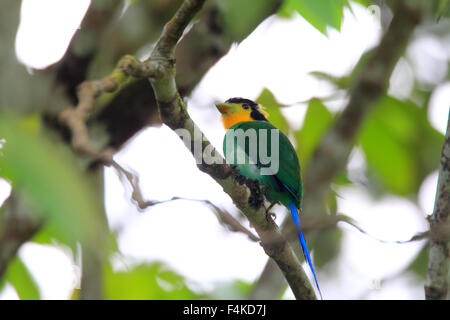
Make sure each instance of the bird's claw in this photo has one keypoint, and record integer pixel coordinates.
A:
(271, 215)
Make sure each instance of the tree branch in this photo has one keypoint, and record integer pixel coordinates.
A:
(75, 118)
(245, 194)
(436, 285)
(17, 226)
(199, 49)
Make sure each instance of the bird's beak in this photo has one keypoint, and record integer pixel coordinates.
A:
(223, 107)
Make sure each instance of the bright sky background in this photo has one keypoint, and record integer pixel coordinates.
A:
(185, 234)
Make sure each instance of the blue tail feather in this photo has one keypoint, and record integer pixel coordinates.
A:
(302, 240)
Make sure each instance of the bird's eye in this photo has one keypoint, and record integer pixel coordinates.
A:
(245, 106)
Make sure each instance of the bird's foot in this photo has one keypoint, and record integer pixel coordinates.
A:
(270, 214)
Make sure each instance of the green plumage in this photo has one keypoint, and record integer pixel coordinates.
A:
(282, 186)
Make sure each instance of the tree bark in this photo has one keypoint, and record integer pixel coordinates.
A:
(436, 285)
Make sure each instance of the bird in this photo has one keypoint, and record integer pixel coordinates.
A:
(281, 182)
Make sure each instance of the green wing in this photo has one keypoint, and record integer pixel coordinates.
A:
(286, 180)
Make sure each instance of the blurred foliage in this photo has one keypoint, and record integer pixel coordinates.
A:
(236, 289)
(339, 82)
(327, 246)
(400, 145)
(20, 278)
(344, 82)
(320, 14)
(240, 16)
(363, 2)
(147, 281)
(317, 120)
(442, 9)
(58, 189)
(272, 106)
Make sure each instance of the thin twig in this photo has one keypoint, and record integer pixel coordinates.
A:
(319, 223)
(417, 237)
(75, 117)
(309, 223)
(133, 180)
(223, 216)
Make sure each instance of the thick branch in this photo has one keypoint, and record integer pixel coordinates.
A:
(173, 30)
(436, 286)
(245, 194)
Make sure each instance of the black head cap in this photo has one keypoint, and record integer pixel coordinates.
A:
(242, 100)
(255, 113)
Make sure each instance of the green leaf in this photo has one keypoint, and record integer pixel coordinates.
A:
(443, 9)
(317, 120)
(147, 281)
(20, 278)
(238, 289)
(332, 202)
(400, 145)
(342, 179)
(390, 159)
(319, 13)
(273, 107)
(286, 11)
(242, 16)
(365, 3)
(339, 82)
(52, 183)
